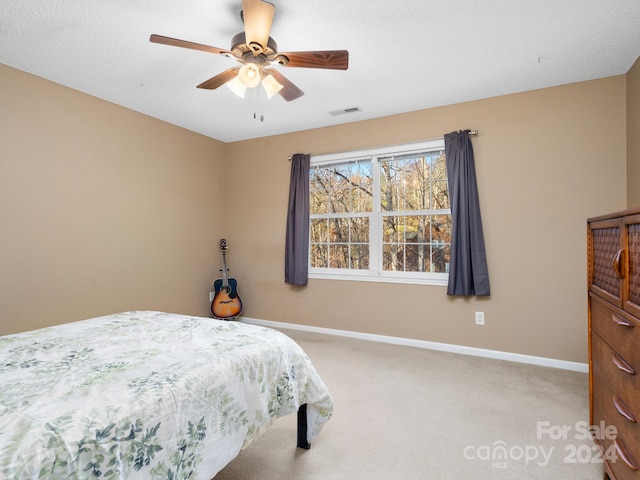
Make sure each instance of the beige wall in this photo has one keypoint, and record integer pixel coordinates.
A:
(546, 161)
(101, 209)
(633, 136)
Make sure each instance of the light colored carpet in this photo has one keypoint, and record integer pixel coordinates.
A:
(407, 413)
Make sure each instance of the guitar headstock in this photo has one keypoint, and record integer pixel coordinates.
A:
(223, 244)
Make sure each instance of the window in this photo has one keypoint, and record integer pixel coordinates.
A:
(381, 215)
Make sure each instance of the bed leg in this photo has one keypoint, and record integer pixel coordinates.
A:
(302, 427)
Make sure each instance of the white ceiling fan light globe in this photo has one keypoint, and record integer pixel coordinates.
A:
(271, 85)
(237, 87)
(249, 75)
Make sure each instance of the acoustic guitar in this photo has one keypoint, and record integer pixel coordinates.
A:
(226, 304)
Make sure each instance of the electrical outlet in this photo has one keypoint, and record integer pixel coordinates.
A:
(211, 295)
(479, 318)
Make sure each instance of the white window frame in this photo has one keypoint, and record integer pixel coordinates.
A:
(375, 272)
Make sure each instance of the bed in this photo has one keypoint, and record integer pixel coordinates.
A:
(146, 395)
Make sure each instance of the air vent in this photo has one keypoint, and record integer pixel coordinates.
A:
(345, 111)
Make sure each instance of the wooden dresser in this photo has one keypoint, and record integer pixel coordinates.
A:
(614, 341)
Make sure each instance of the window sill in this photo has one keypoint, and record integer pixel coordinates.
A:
(405, 279)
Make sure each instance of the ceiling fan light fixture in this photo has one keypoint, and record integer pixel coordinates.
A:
(271, 85)
(249, 75)
(237, 87)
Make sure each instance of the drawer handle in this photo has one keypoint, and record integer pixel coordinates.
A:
(623, 322)
(622, 409)
(617, 262)
(622, 365)
(623, 454)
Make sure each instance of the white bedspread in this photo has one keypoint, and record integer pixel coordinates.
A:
(146, 395)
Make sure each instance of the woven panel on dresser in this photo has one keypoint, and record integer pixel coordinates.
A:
(634, 263)
(606, 242)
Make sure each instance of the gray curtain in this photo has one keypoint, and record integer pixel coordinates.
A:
(296, 261)
(468, 274)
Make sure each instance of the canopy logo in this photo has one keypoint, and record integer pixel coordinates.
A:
(578, 450)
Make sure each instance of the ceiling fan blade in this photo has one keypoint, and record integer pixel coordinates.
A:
(333, 59)
(258, 17)
(289, 90)
(220, 79)
(185, 44)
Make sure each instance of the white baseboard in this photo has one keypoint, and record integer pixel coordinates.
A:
(444, 347)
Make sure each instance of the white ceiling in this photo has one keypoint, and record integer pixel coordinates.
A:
(405, 55)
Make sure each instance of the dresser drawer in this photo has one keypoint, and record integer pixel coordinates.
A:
(610, 372)
(619, 329)
(616, 405)
(618, 438)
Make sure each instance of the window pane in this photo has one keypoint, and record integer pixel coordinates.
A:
(440, 258)
(359, 230)
(441, 229)
(416, 257)
(392, 230)
(319, 230)
(319, 255)
(361, 199)
(339, 230)
(318, 191)
(388, 187)
(362, 173)
(392, 257)
(438, 166)
(440, 194)
(360, 257)
(340, 201)
(336, 180)
(339, 256)
(417, 229)
(417, 196)
(318, 203)
(360, 182)
(347, 175)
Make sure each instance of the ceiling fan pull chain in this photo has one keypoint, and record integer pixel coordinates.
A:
(261, 104)
(258, 104)
(255, 110)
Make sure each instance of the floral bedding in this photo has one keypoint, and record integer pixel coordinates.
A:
(147, 395)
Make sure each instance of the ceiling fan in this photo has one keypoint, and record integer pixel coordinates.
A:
(256, 51)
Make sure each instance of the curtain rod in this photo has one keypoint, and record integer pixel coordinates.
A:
(471, 132)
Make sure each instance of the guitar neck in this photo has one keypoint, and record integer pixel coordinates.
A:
(225, 276)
